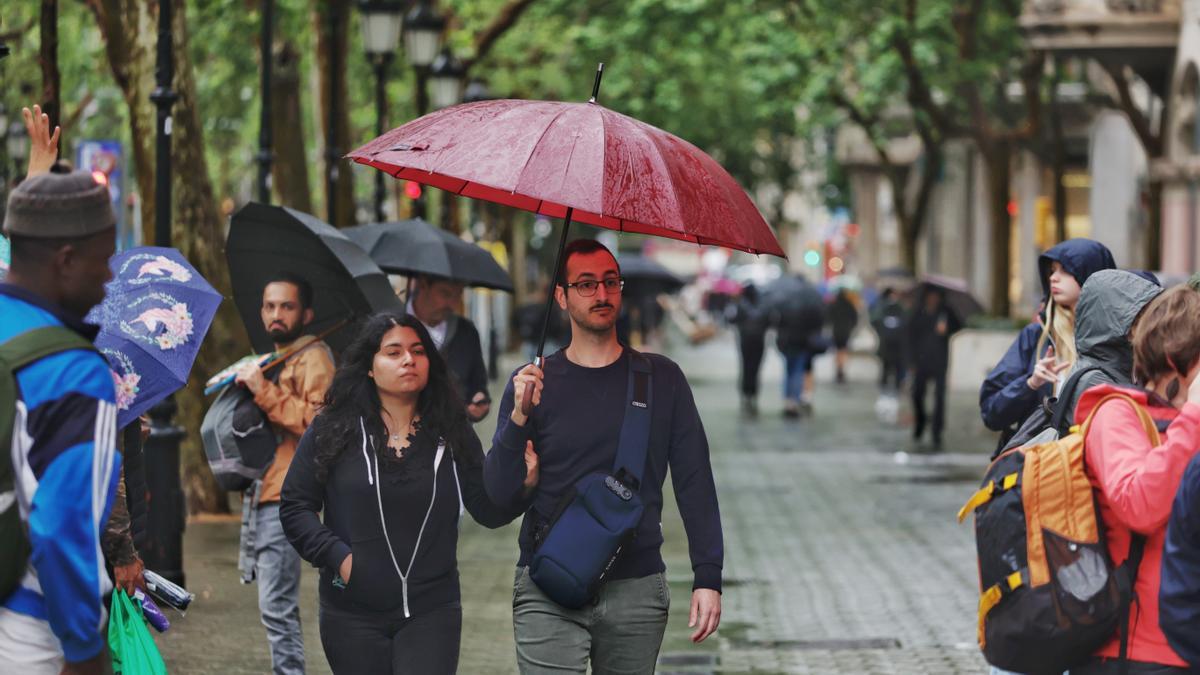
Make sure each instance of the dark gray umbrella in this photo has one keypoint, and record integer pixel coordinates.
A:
(415, 247)
(644, 276)
(956, 293)
(265, 240)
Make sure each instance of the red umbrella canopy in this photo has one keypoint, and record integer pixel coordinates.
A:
(547, 157)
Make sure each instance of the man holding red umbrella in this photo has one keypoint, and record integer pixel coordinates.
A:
(575, 426)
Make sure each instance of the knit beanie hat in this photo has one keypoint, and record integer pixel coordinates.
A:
(59, 203)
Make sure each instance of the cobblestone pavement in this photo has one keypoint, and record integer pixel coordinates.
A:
(842, 553)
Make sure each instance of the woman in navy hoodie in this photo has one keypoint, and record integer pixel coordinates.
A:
(392, 461)
(1044, 352)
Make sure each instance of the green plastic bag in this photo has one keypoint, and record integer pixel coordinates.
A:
(133, 650)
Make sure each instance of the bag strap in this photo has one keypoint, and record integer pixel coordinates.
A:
(33, 345)
(20, 351)
(635, 429)
(1065, 395)
(1126, 579)
(1148, 423)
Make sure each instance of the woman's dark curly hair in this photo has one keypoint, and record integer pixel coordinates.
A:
(353, 395)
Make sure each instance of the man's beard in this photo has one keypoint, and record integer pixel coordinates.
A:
(282, 336)
(593, 324)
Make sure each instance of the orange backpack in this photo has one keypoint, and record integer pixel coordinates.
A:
(1050, 595)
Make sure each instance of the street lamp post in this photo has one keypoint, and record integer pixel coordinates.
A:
(381, 27)
(17, 145)
(422, 36)
(332, 154)
(264, 155)
(445, 77)
(165, 521)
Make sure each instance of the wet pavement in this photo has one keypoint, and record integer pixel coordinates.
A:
(842, 551)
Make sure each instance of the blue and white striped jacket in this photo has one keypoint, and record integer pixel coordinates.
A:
(67, 468)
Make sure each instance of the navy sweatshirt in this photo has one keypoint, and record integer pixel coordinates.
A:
(352, 521)
(575, 430)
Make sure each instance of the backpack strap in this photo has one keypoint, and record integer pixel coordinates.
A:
(635, 429)
(1127, 575)
(33, 345)
(16, 353)
(20, 351)
(1061, 403)
(1148, 423)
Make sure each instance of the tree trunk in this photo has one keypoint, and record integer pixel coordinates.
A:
(997, 159)
(331, 19)
(51, 99)
(289, 170)
(1154, 226)
(197, 228)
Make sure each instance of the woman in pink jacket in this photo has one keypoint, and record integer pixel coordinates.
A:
(1136, 481)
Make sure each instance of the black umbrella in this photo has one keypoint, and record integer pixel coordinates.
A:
(644, 276)
(415, 247)
(956, 293)
(793, 296)
(265, 240)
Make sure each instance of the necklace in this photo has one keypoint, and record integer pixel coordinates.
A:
(397, 438)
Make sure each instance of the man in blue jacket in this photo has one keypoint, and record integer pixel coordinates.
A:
(62, 229)
(579, 401)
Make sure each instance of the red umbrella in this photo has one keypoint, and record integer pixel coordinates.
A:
(548, 157)
(576, 161)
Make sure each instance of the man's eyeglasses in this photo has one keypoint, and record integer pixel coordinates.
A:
(587, 288)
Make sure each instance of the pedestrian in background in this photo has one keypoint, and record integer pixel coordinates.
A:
(1036, 363)
(930, 328)
(889, 319)
(62, 230)
(289, 402)
(798, 315)
(751, 318)
(391, 461)
(1135, 482)
(843, 318)
(433, 301)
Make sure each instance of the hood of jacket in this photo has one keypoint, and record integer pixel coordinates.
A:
(1081, 258)
(1108, 305)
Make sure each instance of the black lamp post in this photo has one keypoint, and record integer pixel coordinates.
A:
(477, 90)
(332, 155)
(17, 144)
(445, 77)
(382, 22)
(163, 551)
(422, 36)
(264, 155)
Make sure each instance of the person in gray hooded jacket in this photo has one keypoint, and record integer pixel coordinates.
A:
(1109, 305)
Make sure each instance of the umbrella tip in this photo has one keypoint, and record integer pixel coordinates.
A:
(596, 84)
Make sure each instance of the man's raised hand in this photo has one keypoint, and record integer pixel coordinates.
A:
(43, 145)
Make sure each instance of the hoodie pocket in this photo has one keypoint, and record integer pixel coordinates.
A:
(373, 579)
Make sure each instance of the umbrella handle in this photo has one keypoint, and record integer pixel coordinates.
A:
(527, 395)
(527, 400)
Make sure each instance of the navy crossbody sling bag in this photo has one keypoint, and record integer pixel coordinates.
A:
(602, 512)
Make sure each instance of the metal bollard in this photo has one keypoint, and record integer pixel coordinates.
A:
(166, 514)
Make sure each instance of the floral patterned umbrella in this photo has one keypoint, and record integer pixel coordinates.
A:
(155, 313)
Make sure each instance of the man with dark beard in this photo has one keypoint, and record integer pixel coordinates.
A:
(579, 404)
(289, 400)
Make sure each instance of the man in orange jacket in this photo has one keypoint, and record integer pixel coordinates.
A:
(290, 404)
